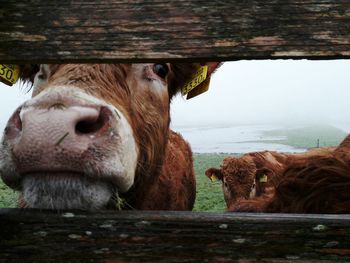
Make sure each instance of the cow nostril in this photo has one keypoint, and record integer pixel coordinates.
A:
(15, 122)
(93, 125)
(86, 127)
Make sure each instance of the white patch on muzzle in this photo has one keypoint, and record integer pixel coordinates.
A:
(95, 188)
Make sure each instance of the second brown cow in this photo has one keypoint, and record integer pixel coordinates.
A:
(312, 182)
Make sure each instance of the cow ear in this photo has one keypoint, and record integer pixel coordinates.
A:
(212, 67)
(27, 72)
(214, 174)
(180, 73)
(203, 75)
(185, 74)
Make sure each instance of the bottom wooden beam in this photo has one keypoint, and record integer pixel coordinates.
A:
(124, 236)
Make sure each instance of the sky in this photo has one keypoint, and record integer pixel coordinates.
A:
(253, 92)
(271, 91)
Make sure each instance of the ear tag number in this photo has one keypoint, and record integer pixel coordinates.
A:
(203, 87)
(196, 80)
(9, 74)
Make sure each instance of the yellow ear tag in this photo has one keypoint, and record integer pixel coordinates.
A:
(213, 178)
(263, 179)
(203, 87)
(9, 74)
(196, 80)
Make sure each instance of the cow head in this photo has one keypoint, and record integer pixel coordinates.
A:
(90, 132)
(238, 178)
(247, 176)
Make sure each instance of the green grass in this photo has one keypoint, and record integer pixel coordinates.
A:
(209, 194)
(8, 197)
(307, 137)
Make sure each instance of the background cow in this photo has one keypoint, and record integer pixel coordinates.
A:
(311, 182)
(247, 176)
(93, 133)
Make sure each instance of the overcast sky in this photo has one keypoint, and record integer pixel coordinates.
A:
(271, 91)
(253, 92)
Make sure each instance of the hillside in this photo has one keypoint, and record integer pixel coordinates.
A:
(307, 137)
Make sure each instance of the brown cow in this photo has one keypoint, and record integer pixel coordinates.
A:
(255, 175)
(247, 176)
(314, 182)
(94, 133)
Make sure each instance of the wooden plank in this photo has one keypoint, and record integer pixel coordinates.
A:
(43, 236)
(188, 30)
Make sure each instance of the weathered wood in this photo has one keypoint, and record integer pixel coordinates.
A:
(185, 30)
(155, 30)
(42, 236)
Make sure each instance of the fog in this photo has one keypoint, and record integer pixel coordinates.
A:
(286, 92)
(10, 99)
(253, 92)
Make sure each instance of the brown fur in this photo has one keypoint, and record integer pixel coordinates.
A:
(164, 176)
(177, 174)
(314, 182)
(241, 175)
(270, 164)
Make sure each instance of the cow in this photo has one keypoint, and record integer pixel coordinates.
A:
(312, 182)
(247, 176)
(95, 134)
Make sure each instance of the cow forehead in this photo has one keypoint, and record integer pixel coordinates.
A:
(91, 74)
(104, 70)
(238, 164)
(107, 76)
(110, 79)
(97, 72)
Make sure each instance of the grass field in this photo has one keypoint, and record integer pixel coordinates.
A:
(209, 194)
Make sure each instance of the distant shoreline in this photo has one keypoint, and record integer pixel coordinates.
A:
(243, 139)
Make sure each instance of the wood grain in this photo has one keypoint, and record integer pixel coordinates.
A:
(134, 236)
(157, 30)
(64, 31)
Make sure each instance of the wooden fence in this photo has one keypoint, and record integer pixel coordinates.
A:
(186, 30)
(63, 31)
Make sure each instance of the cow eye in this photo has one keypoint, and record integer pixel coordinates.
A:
(161, 70)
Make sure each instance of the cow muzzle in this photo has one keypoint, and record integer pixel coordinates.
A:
(69, 140)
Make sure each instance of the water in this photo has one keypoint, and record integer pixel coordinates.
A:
(234, 139)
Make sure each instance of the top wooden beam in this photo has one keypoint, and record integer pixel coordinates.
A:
(183, 30)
